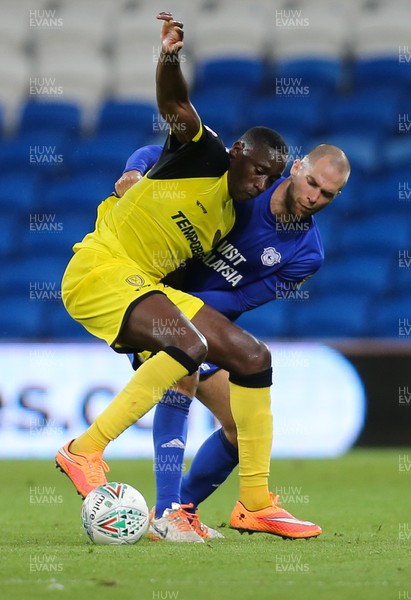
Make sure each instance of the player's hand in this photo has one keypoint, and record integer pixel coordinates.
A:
(126, 181)
(171, 33)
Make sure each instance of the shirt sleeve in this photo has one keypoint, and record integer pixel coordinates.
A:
(143, 159)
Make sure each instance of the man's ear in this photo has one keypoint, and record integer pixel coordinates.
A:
(294, 166)
(236, 149)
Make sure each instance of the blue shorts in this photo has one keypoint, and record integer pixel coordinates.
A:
(206, 368)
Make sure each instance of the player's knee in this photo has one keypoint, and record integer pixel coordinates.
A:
(255, 358)
(198, 349)
(262, 357)
(193, 345)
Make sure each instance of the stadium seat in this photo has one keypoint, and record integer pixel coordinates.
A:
(33, 153)
(79, 33)
(81, 191)
(55, 233)
(230, 33)
(316, 75)
(334, 315)
(329, 226)
(375, 71)
(136, 49)
(396, 153)
(382, 232)
(308, 32)
(15, 77)
(9, 239)
(300, 115)
(84, 81)
(14, 33)
(116, 116)
(21, 318)
(390, 189)
(391, 317)
(227, 124)
(63, 117)
(399, 283)
(30, 273)
(235, 75)
(19, 190)
(380, 32)
(363, 272)
(267, 321)
(103, 152)
(362, 113)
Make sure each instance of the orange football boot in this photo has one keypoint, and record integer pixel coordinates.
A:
(274, 520)
(86, 471)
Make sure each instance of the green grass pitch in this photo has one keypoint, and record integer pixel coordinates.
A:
(362, 501)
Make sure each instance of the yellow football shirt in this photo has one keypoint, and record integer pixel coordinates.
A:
(179, 210)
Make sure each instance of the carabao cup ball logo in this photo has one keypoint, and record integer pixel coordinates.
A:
(270, 257)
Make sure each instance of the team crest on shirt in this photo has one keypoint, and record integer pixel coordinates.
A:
(270, 257)
(135, 280)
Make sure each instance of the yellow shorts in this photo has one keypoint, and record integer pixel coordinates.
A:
(99, 290)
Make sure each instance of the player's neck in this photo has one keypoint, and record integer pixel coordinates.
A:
(277, 202)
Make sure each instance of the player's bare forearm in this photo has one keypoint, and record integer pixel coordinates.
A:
(171, 87)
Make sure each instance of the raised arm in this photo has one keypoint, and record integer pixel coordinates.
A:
(171, 87)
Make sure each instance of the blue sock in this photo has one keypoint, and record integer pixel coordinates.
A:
(211, 466)
(169, 436)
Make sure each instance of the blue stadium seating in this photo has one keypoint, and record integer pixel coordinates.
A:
(300, 115)
(391, 317)
(118, 117)
(21, 318)
(52, 174)
(375, 233)
(373, 71)
(319, 75)
(236, 75)
(19, 189)
(63, 117)
(24, 273)
(397, 152)
(9, 238)
(55, 233)
(330, 315)
(103, 153)
(329, 226)
(356, 273)
(228, 124)
(80, 191)
(34, 152)
(363, 112)
(387, 191)
(267, 321)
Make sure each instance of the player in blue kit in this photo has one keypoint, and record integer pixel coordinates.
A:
(274, 246)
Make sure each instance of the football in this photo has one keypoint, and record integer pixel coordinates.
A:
(115, 513)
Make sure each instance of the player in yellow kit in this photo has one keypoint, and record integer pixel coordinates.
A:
(112, 284)
(180, 210)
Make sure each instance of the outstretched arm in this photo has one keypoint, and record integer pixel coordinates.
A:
(172, 93)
